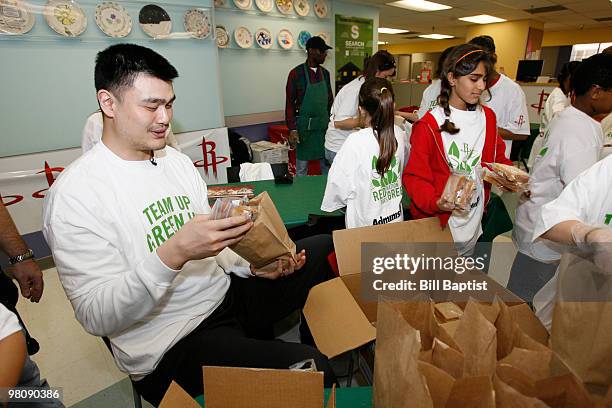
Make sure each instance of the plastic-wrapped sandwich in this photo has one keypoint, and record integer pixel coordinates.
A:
(507, 177)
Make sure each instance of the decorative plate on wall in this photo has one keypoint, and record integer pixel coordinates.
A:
(285, 39)
(113, 19)
(303, 38)
(154, 21)
(243, 37)
(265, 5)
(302, 7)
(65, 17)
(325, 38)
(263, 38)
(321, 8)
(197, 21)
(223, 38)
(220, 3)
(15, 17)
(243, 4)
(284, 6)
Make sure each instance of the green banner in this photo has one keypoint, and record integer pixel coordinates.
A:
(354, 42)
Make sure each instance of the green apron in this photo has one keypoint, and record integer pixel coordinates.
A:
(312, 120)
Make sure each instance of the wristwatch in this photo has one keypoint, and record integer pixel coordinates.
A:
(29, 254)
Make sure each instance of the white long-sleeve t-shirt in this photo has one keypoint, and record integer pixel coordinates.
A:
(103, 218)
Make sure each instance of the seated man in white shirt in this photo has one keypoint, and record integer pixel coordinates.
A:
(142, 262)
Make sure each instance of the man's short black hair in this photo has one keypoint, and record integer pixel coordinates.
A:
(485, 42)
(567, 70)
(118, 65)
(595, 70)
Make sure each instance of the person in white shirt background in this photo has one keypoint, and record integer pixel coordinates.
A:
(92, 133)
(366, 176)
(344, 118)
(573, 144)
(431, 93)
(558, 100)
(142, 262)
(506, 98)
(580, 217)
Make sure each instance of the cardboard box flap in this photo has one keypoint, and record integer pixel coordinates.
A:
(262, 388)
(348, 242)
(335, 319)
(353, 284)
(176, 397)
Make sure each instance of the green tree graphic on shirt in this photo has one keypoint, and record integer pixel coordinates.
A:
(391, 176)
(544, 149)
(463, 160)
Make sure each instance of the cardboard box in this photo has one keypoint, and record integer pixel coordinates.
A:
(254, 388)
(265, 151)
(338, 318)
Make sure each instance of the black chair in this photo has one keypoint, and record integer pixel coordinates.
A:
(526, 146)
(135, 393)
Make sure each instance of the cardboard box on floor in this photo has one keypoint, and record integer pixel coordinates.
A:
(254, 388)
(265, 151)
(341, 321)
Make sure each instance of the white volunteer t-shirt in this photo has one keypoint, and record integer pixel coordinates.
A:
(345, 107)
(8, 322)
(572, 144)
(354, 183)
(430, 97)
(606, 126)
(585, 199)
(463, 152)
(509, 103)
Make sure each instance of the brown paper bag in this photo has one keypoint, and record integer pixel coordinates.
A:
(439, 383)
(529, 323)
(508, 397)
(476, 337)
(397, 380)
(447, 359)
(516, 378)
(506, 327)
(582, 330)
(472, 392)
(564, 391)
(268, 239)
(536, 364)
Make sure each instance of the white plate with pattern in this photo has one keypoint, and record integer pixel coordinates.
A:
(65, 17)
(325, 38)
(15, 17)
(222, 37)
(321, 8)
(284, 6)
(220, 3)
(197, 22)
(243, 4)
(113, 19)
(263, 38)
(155, 21)
(243, 37)
(285, 39)
(265, 5)
(302, 7)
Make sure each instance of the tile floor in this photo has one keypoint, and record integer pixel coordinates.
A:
(82, 365)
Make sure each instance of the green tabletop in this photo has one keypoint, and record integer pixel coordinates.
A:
(294, 201)
(354, 397)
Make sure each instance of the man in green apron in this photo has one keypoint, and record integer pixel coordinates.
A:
(309, 99)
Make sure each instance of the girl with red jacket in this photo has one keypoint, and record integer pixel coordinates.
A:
(459, 136)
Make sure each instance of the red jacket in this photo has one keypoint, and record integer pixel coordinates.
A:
(427, 170)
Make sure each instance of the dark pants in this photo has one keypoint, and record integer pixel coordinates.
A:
(236, 334)
(528, 276)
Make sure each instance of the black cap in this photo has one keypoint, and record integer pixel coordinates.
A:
(318, 43)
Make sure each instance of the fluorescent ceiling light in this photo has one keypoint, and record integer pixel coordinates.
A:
(483, 19)
(419, 5)
(383, 43)
(385, 30)
(436, 36)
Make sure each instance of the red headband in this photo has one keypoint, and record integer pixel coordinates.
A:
(466, 54)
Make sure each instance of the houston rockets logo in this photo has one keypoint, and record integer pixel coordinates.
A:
(210, 158)
(48, 170)
(540, 105)
(520, 121)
